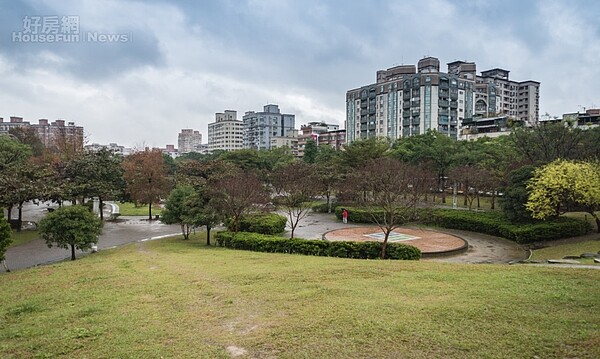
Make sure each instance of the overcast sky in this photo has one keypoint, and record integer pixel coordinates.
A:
(177, 62)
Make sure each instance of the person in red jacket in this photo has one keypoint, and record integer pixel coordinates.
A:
(344, 215)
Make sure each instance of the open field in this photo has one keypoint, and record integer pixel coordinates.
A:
(23, 237)
(173, 298)
(129, 209)
(569, 249)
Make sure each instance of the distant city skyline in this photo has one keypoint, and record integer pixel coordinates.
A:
(139, 72)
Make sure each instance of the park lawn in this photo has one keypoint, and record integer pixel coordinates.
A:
(129, 209)
(23, 237)
(180, 299)
(583, 215)
(569, 249)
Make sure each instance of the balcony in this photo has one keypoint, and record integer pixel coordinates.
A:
(444, 103)
(444, 112)
(415, 103)
(453, 104)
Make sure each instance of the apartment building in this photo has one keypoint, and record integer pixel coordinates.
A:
(226, 133)
(260, 127)
(188, 141)
(51, 134)
(290, 140)
(322, 133)
(409, 100)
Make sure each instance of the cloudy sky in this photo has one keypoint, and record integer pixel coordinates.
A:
(179, 62)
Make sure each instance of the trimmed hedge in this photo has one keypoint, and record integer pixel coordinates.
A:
(263, 223)
(497, 224)
(272, 244)
(492, 223)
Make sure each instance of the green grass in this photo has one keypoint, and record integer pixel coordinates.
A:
(129, 209)
(179, 299)
(23, 237)
(569, 249)
(583, 215)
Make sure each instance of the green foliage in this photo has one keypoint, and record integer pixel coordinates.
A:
(5, 236)
(358, 153)
(176, 208)
(359, 250)
(73, 226)
(515, 195)
(263, 223)
(310, 151)
(493, 223)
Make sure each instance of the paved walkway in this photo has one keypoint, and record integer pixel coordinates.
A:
(482, 248)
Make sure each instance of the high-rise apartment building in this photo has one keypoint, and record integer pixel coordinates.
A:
(322, 133)
(188, 141)
(226, 133)
(260, 127)
(408, 100)
(51, 134)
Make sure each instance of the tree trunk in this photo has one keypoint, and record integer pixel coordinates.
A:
(597, 220)
(328, 203)
(20, 218)
(184, 231)
(150, 211)
(5, 266)
(208, 234)
(72, 252)
(478, 204)
(493, 206)
(9, 210)
(101, 205)
(384, 244)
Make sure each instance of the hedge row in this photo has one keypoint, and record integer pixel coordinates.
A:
(492, 223)
(264, 223)
(272, 244)
(497, 224)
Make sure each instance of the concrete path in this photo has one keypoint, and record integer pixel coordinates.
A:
(482, 248)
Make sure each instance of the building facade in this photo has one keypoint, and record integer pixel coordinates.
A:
(290, 140)
(51, 134)
(260, 127)
(408, 100)
(226, 133)
(322, 133)
(188, 141)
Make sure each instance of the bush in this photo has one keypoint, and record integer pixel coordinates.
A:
(496, 224)
(272, 244)
(358, 215)
(264, 223)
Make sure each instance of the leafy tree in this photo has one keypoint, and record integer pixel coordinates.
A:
(28, 136)
(561, 183)
(170, 164)
(359, 153)
(26, 182)
(96, 174)
(246, 159)
(392, 187)
(547, 142)
(146, 177)
(310, 151)
(203, 212)
(176, 209)
(296, 182)
(238, 194)
(72, 226)
(5, 240)
(515, 194)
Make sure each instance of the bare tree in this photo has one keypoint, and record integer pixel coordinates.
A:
(239, 194)
(391, 191)
(298, 185)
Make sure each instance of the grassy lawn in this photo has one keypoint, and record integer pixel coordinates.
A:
(570, 249)
(179, 299)
(129, 209)
(583, 215)
(23, 237)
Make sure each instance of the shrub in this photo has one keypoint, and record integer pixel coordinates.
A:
(496, 224)
(264, 223)
(272, 244)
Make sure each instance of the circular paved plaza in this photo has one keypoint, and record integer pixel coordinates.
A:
(431, 243)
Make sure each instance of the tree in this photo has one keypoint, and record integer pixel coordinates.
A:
(515, 194)
(392, 188)
(561, 184)
(239, 194)
(72, 226)
(310, 151)
(547, 142)
(298, 185)
(146, 177)
(5, 240)
(203, 212)
(28, 136)
(359, 153)
(176, 209)
(96, 174)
